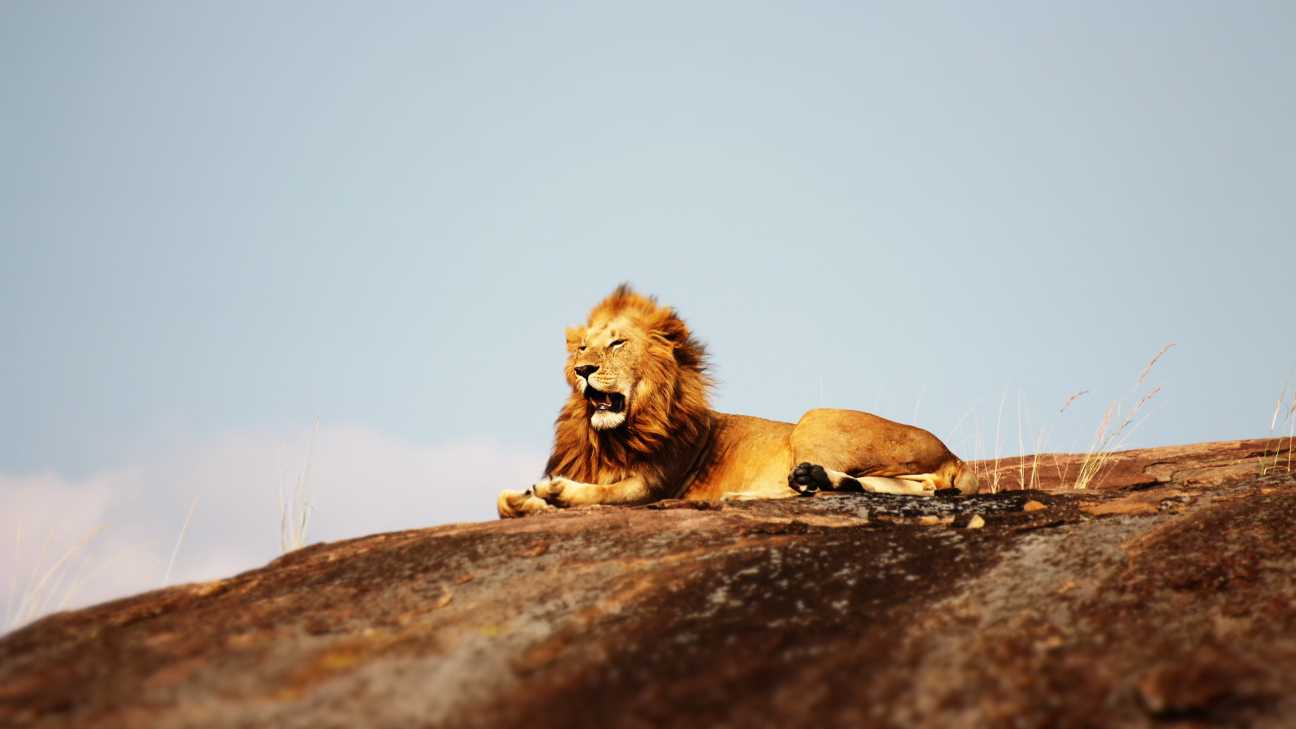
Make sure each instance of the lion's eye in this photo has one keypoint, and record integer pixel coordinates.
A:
(616, 343)
(581, 348)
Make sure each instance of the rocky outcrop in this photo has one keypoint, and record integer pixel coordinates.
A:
(1163, 596)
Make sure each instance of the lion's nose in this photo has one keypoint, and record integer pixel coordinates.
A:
(586, 370)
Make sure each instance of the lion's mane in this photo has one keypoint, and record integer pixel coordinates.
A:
(667, 421)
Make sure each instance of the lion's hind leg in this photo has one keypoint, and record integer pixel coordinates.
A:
(848, 450)
(922, 484)
(808, 478)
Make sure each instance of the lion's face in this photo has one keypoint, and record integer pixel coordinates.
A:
(638, 382)
(605, 367)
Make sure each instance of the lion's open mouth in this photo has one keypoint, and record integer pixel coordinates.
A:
(611, 402)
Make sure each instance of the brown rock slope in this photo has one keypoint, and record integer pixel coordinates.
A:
(1163, 598)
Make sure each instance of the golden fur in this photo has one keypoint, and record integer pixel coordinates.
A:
(668, 406)
(638, 427)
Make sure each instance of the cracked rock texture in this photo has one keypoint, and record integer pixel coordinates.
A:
(1163, 596)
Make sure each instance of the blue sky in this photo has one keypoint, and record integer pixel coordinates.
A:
(222, 223)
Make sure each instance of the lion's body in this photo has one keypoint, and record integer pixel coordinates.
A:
(748, 456)
(753, 456)
(638, 427)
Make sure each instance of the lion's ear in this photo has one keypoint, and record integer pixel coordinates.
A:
(574, 337)
(689, 352)
(670, 327)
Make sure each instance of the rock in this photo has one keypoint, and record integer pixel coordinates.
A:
(534, 550)
(1200, 682)
(836, 611)
(1033, 505)
(1119, 507)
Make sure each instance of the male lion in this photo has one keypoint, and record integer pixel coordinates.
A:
(638, 428)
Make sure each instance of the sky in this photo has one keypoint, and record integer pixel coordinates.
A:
(246, 244)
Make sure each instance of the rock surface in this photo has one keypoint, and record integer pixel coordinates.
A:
(1163, 596)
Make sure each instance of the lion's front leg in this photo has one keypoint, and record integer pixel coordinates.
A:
(564, 492)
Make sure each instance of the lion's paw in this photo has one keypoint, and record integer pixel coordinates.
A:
(513, 504)
(558, 492)
(565, 493)
(550, 489)
(807, 478)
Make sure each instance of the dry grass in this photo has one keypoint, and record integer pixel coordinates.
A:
(49, 586)
(184, 528)
(1118, 423)
(1270, 463)
(1116, 426)
(1030, 478)
(52, 588)
(1028, 468)
(48, 589)
(294, 503)
(994, 480)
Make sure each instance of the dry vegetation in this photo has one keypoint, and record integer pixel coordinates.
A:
(1120, 419)
(1283, 414)
(1109, 439)
(1118, 423)
(45, 587)
(294, 502)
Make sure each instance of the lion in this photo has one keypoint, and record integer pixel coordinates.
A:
(638, 427)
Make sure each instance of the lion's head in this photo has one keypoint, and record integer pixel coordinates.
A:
(638, 379)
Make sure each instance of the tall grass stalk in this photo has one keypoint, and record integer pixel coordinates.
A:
(166, 578)
(994, 478)
(1021, 446)
(37, 595)
(1027, 479)
(1291, 431)
(295, 505)
(1116, 427)
(1280, 417)
(1058, 465)
(1029, 467)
